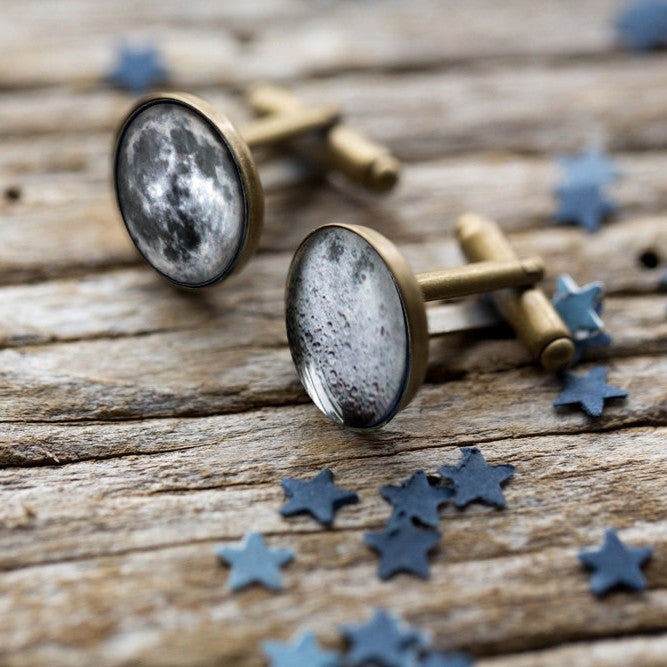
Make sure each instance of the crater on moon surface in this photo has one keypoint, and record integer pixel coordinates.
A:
(180, 193)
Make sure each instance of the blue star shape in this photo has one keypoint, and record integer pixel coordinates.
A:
(616, 565)
(474, 479)
(662, 283)
(455, 659)
(254, 563)
(403, 547)
(584, 205)
(303, 652)
(600, 339)
(319, 497)
(592, 167)
(643, 25)
(589, 391)
(579, 306)
(383, 641)
(416, 499)
(138, 69)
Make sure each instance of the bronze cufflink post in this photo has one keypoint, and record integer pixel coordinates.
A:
(188, 188)
(357, 322)
(528, 311)
(362, 160)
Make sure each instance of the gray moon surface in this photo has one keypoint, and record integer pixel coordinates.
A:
(347, 329)
(180, 194)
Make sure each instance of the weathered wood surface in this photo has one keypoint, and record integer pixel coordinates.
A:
(142, 425)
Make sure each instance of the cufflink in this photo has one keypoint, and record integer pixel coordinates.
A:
(357, 322)
(187, 186)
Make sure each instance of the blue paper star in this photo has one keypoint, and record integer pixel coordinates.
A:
(474, 479)
(455, 659)
(383, 641)
(403, 547)
(662, 283)
(643, 25)
(584, 205)
(416, 499)
(616, 565)
(588, 391)
(600, 339)
(138, 69)
(592, 168)
(303, 652)
(579, 306)
(319, 497)
(254, 563)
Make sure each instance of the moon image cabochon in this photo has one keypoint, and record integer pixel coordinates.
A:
(180, 193)
(347, 328)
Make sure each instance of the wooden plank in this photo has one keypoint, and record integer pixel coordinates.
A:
(640, 651)
(219, 43)
(36, 244)
(135, 302)
(175, 506)
(424, 115)
(52, 402)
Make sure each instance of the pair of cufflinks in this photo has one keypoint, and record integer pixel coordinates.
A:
(189, 193)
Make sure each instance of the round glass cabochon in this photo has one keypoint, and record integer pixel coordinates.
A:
(180, 193)
(347, 328)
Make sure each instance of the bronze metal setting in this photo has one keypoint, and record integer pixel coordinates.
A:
(509, 279)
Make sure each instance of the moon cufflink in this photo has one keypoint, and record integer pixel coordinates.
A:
(188, 188)
(357, 322)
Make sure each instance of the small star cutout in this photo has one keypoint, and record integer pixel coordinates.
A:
(138, 69)
(383, 641)
(662, 283)
(417, 499)
(600, 339)
(643, 25)
(588, 391)
(319, 497)
(403, 547)
(254, 563)
(616, 565)
(455, 659)
(592, 167)
(583, 205)
(474, 479)
(303, 652)
(578, 306)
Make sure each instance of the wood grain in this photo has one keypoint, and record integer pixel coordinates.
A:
(142, 425)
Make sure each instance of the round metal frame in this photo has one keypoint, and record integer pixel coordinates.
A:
(414, 310)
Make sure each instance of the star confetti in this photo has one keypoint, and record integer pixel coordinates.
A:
(643, 25)
(319, 497)
(403, 547)
(579, 306)
(138, 69)
(616, 565)
(600, 339)
(589, 391)
(384, 641)
(417, 499)
(303, 652)
(254, 563)
(592, 167)
(584, 205)
(474, 479)
(456, 659)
